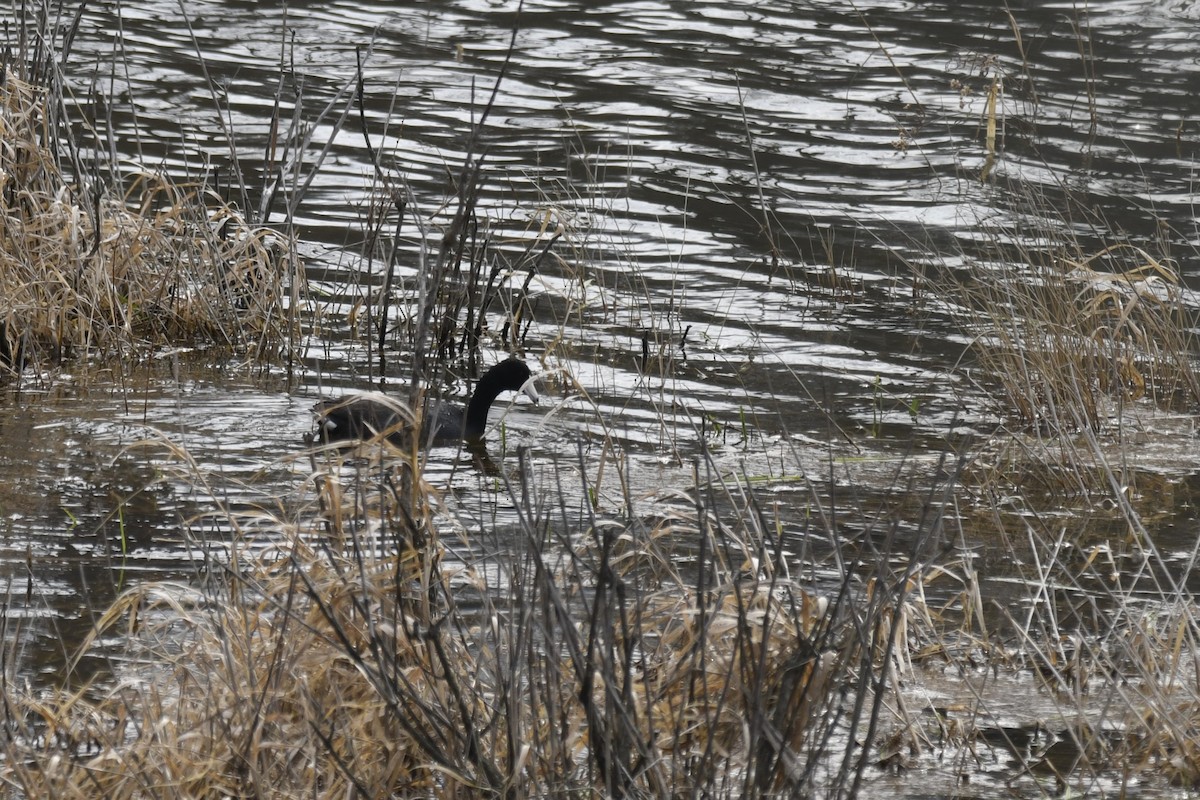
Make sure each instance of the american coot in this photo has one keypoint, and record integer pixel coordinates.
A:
(362, 416)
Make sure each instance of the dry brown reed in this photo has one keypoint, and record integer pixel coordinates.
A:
(87, 270)
(1077, 344)
(346, 652)
(1071, 337)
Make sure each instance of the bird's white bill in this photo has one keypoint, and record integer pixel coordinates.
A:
(529, 391)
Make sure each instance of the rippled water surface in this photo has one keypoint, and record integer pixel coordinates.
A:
(751, 188)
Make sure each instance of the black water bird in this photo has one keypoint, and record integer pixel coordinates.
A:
(365, 416)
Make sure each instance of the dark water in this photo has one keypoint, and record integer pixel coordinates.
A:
(751, 187)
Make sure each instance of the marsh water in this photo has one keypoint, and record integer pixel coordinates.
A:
(751, 188)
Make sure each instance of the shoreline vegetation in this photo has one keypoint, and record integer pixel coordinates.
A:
(662, 646)
(117, 271)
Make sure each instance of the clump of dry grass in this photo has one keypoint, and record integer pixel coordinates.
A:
(1070, 337)
(1117, 674)
(91, 270)
(348, 652)
(1074, 344)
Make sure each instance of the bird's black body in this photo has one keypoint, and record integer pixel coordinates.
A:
(365, 416)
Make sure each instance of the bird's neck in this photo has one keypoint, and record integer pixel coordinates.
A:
(477, 409)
